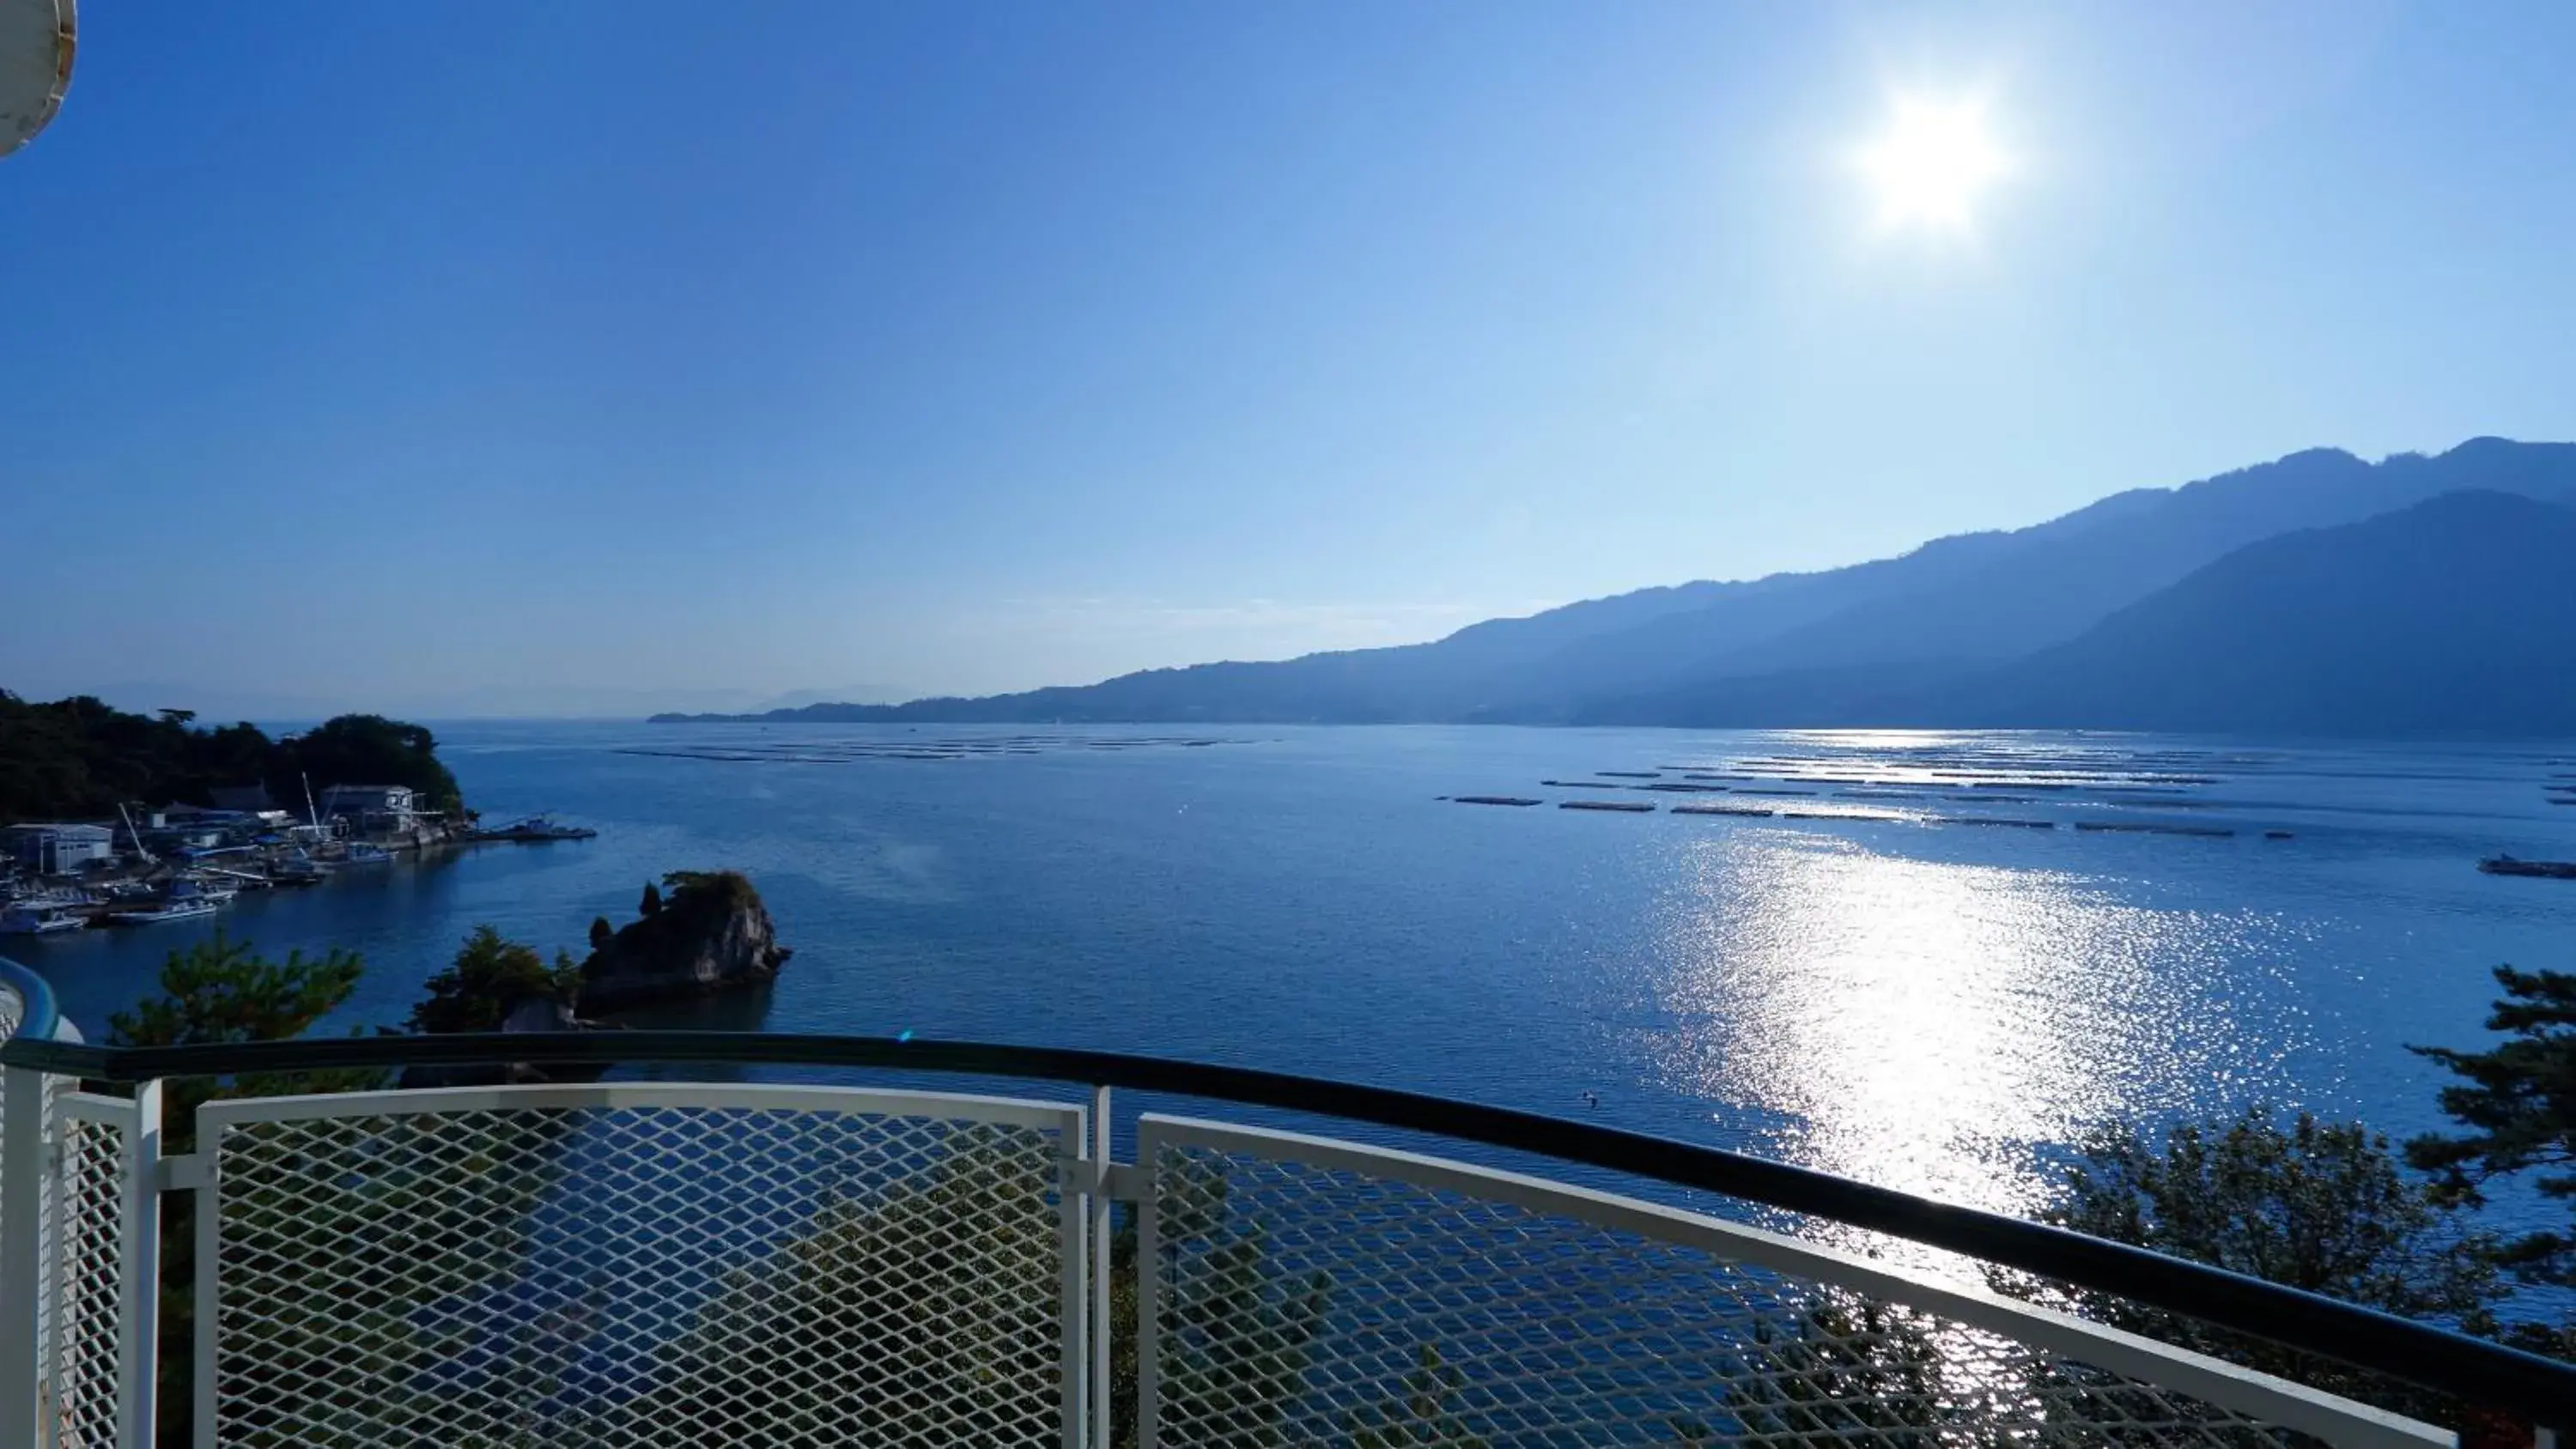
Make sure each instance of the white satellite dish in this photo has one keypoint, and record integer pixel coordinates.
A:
(35, 66)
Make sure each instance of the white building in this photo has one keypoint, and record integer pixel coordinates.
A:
(57, 849)
(371, 807)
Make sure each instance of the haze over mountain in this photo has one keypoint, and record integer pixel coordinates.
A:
(2031, 626)
(2455, 615)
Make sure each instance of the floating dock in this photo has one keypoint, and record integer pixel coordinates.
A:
(1624, 807)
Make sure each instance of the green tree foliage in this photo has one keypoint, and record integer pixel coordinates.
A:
(1839, 1371)
(407, 1233)
(1235, 1350)
(221, 992)
(488, 977)
(651, 905)
(2518, 1102)
(364, 749)
(930, 1298)
(1425, 1417)
(79, 758)
(601, 933)
(2325, 1207)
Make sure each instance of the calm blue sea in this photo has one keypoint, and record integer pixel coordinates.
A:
(1890, 994)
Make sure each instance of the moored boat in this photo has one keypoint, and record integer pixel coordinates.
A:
(37, 920)
(198, 888)
(177, 910)
(298, 869)
(2544, 869)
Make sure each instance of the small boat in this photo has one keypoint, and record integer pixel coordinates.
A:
(34, 920)
(363, 854)
(177, 910)
(535, 827)
(197, 888)
(298, 869)
(2544, 869)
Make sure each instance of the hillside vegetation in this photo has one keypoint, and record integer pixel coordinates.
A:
(79, 759)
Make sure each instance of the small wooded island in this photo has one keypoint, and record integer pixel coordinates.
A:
(697, 933)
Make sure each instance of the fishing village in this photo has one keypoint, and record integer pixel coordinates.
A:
(185, 862)
(131, 820)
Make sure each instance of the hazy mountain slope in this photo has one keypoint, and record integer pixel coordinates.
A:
(2076, 571)
(1954, 607)
(1463, 676)
(2457, 615)
(2454, 616)
(1551, 688)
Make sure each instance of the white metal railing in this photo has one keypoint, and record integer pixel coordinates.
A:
(675, 1264)
(1302, 1290)
(645, 1264)
(33, 1325)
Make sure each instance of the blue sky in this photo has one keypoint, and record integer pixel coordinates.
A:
(476, 358)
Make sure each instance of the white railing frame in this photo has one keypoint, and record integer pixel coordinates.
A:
(138, 1232)
(1089, 1183)
(2337, 1420)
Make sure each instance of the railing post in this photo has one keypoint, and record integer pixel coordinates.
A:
(1074, 1183)
(201, 1383)
(138, 1347)
(1101, 1308)
(22, 1267)
(1149, 1274)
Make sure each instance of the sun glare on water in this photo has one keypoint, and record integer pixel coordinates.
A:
(1933, 164)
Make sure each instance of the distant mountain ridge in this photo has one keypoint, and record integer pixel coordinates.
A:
(1963, 628)
(2455, 616)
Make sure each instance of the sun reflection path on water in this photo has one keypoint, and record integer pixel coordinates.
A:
(1936, 1027)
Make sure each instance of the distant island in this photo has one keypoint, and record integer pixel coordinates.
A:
(2317, 594)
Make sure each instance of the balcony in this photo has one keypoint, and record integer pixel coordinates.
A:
(863, 1261)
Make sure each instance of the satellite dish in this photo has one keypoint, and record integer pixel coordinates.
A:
(35, 66)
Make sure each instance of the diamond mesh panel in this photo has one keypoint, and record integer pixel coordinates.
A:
(639, 1276)
(90, 1267)
(1303, 1305)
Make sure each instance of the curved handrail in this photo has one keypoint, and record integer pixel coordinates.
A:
(2483, 1373)
(37, 1014)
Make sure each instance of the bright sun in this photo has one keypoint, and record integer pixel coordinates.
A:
(1933, 164)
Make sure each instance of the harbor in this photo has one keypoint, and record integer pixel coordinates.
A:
(152, 866)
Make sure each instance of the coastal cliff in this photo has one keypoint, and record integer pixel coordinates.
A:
(702, 932)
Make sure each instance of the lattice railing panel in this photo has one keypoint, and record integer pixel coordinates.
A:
(1326, 1305)
(663, 1275)
(89, 1265)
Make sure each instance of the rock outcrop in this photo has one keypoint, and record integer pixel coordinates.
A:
(705, 932)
